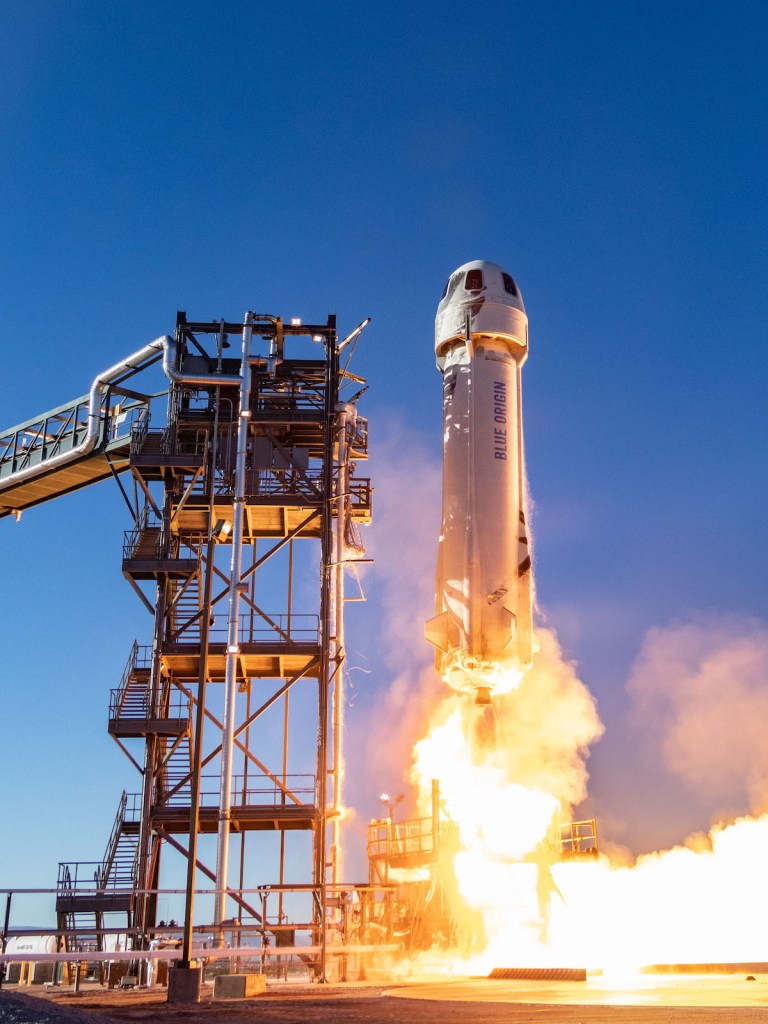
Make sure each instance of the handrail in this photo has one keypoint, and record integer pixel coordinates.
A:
(266, 627)
(577, 838)
(33, 444)
(392, 839)
(140, 657)
(139, 708)
(253, 790)
(170, 444)
(109, 854)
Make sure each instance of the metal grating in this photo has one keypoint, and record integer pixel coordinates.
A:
(538, 974)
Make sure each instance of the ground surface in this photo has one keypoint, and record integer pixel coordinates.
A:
(678, 1000)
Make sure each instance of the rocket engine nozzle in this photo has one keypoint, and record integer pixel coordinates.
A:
(482, 696)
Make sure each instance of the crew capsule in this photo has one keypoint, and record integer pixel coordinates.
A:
(485, 293)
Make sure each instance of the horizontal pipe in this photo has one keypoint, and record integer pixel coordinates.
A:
(170, 355)
(169, 348)
(198, 953)
(263, 890)
(86, 446)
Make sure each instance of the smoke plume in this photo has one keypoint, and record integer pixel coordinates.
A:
(699, 688)
(543, 728)
(403, 543)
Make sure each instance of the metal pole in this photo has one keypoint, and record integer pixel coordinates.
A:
(6, 923)
(326, 555)
(286, 719)
(249, 691)
(342, 488)
(202, 678)
(436, 819)
(233, 646)
(197, 758)
(244, 794)
(151, 752)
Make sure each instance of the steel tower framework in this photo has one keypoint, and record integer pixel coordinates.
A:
(246, 503)
(256, 450)
(244, 491)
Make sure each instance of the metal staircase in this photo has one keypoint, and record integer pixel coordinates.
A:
(132, 710)
(175, 776)
(87, 890)
(130, 701)
(187, 603)
(143, 543)
(118, 868)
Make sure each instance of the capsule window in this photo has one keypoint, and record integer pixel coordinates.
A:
(509, 285)
(445, 290)
(474, 281)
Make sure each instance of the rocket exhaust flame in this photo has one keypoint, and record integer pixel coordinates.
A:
(484, 726)
(520, 904)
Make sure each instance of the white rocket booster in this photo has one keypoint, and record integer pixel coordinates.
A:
(482, 631)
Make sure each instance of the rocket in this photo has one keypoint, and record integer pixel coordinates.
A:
(482, 630)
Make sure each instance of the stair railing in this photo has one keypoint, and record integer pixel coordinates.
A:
(102, 873)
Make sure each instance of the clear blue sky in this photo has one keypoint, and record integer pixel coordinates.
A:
(340, 157)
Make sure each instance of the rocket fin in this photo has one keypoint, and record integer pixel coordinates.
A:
(436, 631)
(524, 595)
(512, 627)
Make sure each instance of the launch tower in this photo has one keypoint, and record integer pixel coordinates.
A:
(245, 509)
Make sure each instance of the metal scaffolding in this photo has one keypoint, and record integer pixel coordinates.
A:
(243, 492)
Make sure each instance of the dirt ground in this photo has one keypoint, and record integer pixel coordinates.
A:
(659, 1002)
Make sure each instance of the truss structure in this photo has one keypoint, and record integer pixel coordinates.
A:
(246, 505)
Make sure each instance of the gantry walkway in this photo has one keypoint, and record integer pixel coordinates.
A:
(77, 444)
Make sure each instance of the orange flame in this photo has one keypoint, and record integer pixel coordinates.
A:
(682, 905)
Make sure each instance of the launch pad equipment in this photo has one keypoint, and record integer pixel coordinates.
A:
(416, 857)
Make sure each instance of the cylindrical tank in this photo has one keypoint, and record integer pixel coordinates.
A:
(36, 973)
(482, 629)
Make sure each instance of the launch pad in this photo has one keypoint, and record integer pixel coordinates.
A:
(676, 1000)
(243, 487)
(242, 477)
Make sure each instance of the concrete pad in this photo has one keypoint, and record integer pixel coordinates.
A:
(184, 984)
(636, 990)
(239, 986)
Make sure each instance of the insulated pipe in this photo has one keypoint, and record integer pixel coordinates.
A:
(86, 446)
(170, 357)
(169, 348)
(233, 646)
(199, 952)
(346, 419)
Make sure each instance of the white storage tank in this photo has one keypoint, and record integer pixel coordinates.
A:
(31, 973)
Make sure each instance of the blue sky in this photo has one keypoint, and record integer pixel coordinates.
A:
(343, 157)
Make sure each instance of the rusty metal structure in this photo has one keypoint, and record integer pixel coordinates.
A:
(245, 503)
